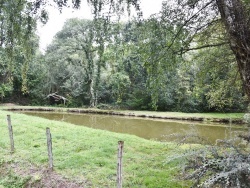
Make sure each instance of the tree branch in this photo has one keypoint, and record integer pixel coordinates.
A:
(184, 50)
(185, 23)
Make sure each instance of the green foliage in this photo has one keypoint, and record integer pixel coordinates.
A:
(167, 83)
(5, 89)
(13, 181)
(142, 64)
(217, 80)
(154, 37)
(139, 100)
(120, 84)
(17, 46)
(77, 73)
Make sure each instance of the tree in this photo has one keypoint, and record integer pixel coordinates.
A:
(183, 19)
(193, 17)
(119, 84)
(78, 71)
(217, 84)
(124, 63)
(18, 43)
(235, 16)
(196, 16)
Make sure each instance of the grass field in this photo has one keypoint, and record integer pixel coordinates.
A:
(82, 155)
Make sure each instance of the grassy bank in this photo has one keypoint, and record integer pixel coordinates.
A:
(83, 156)
(212, 117)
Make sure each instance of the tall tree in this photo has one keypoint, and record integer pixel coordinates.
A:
(235, 16)
(17, 26)
(82, 43)
(196, 16)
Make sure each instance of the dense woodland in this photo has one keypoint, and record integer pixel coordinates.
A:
(180, 59)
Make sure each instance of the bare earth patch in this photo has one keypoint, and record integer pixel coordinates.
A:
(39, 177)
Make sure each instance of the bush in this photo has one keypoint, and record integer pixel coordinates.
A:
(247, 118)
(226, 164)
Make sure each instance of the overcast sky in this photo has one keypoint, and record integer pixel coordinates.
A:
(56, 20)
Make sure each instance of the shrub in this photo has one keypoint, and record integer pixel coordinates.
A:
(247, 118)
(226, 164)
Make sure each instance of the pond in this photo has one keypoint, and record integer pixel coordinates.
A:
(154, 129)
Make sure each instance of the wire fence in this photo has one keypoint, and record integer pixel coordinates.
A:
(50, 151)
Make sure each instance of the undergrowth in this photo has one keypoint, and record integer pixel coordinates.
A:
(225, 164)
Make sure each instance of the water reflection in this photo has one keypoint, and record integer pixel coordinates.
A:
(145, 128)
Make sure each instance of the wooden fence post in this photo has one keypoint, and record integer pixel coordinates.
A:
(49, 145)
(119, 164)
(12, 148)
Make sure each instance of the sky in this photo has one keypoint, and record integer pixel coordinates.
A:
(57, 19)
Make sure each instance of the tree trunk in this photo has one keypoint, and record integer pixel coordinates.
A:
(93, 98)
(236, 21)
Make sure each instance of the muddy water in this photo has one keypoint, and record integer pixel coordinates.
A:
(146, 128)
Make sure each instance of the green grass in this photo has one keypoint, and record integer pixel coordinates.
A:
(87, 154)
(180, 115)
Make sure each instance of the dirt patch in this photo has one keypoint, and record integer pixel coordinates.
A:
(39, 177)
(47, 178)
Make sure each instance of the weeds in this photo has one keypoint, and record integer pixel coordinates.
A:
(8, 178)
